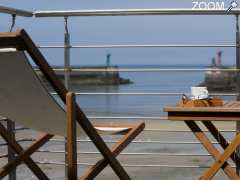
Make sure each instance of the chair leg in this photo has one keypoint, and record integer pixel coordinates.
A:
(100, 144)
(223, 158)
(23, 155)
(11, 153)
(116, 149)
(71, 137)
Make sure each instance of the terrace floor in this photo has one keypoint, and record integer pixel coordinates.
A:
(150, 160)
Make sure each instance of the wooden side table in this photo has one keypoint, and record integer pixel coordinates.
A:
(230, 111)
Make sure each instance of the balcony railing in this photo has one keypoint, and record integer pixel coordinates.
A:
(129, 12)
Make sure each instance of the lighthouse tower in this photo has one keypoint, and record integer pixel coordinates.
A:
(108, 60)
(219, 59)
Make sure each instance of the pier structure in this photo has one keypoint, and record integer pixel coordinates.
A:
(91, 75)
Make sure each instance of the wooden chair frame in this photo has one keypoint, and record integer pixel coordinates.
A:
(22, 41)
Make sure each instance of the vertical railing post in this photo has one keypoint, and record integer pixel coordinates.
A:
(66, 74)
(11, 153)
(11, 125)
(66, 54)
(237, 83)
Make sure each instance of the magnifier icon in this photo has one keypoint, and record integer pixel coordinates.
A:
(233, 4)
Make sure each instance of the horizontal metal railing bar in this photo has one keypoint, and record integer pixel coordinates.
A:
(146, 118)
(141, 69)
(156, 130)
(128, 165)
(141, 46)
(26, 140)
(111, 141)
(17, 12)
(3, 144)
(145, 93)
(21, 129)
(114, 141)
(129, 117)
(127, 154)
(3, 156)
(129, 12)
(125, 93)
(148, 141)
(175, 130)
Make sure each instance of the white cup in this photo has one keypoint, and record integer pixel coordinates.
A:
(199, 92)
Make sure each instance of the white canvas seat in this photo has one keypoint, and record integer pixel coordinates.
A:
(24, 98)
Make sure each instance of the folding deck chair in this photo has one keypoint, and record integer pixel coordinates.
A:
(24, 99)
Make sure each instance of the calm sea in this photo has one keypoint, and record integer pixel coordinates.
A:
(147, 82)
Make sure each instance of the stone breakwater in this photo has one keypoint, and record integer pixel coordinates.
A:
(97, 76)
(220, 81)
